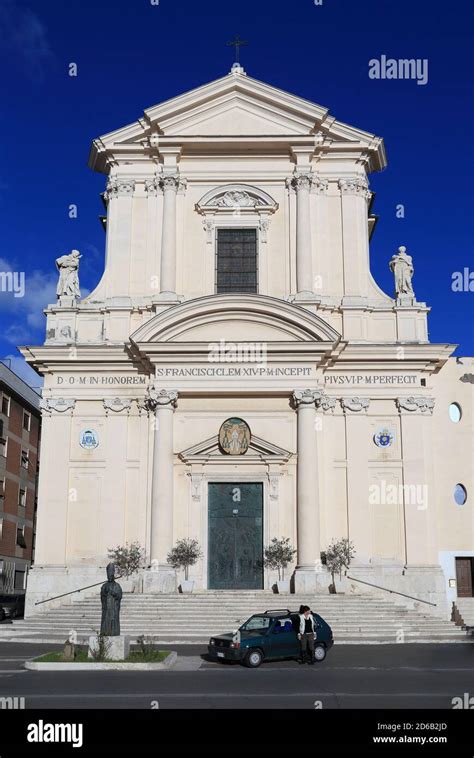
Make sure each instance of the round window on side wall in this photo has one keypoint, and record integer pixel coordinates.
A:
(460, 494)
(455, 413)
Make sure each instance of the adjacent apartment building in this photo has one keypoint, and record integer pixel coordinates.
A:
(20, 422)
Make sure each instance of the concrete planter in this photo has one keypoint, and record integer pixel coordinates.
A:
(168, 662)
(283, 586)
(187, 585)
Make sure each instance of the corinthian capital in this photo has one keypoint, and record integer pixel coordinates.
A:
(418, 403)
(302, 181)
(326, 403)
(160, 398)
(319, 184)
(152, 186)
(306, 398)
(355, 185)
(117, 187)
(171, 182)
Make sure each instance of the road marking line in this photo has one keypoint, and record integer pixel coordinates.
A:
(200, 695)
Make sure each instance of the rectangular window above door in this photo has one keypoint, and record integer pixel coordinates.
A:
(236, 261)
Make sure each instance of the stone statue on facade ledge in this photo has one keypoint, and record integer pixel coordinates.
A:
(68, 283)
(401, 266)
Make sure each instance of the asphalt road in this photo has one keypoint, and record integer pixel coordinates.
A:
(377, 676)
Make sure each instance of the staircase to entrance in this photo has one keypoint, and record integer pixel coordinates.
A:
(175, 618)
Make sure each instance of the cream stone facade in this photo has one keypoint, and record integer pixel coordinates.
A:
(346, 399)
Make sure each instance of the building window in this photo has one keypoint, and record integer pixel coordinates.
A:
(2, 488)
(1, 528)
(455, 413)
(25, 458)
(460, 494)
(3, 446)
(20, 536)
(26, 421)
(20, 580)
(236, 261)
(5, 405)
(22, 498)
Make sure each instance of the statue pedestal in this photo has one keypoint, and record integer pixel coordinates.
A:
(117, 648)
(158, 579)
(65, 301)
(406, 300)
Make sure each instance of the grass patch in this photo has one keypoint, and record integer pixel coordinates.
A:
(156, 656)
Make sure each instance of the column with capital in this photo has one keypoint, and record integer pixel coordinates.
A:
(355, 196)
(162, 403)
(170, 184)
(119, 198)
(301, 182)
(307, 503)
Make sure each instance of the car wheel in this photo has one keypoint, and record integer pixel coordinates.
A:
(253, 659)
(319, 653)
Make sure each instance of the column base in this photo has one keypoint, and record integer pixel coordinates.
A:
(159, 578)
(168, 297)
(311, 579)
(306, 296)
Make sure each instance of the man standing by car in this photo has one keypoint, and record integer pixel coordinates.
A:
(307, 634)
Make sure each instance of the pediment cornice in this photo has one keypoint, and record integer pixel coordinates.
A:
(191, 120)
(259, 450)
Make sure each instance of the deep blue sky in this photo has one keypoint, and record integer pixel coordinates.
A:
(132, 54)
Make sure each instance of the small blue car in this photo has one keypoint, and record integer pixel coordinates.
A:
(268, 636)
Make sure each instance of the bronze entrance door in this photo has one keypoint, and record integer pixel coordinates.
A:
(235, 536)
(464, 572)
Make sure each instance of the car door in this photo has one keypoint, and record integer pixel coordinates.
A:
(284, 642)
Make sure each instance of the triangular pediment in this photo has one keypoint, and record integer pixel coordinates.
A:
(234, 106)
(259, 451)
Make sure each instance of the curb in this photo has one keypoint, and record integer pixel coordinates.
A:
(168, 662)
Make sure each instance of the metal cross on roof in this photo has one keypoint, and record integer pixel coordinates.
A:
(237, 43)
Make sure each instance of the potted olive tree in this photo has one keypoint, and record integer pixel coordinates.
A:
(277, 555)
(185, 553)
(128, 560)
(338, 556)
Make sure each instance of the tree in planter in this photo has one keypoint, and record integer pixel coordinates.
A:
(278, 554)
(338, 556)
(128, 559)
(185, 553)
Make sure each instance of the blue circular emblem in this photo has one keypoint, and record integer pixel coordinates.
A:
(89, 439)
(383, 438)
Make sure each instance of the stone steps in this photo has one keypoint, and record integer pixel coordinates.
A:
(355, 619)
(465, 606)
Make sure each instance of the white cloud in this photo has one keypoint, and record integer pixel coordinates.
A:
(27, 311)
(24, 37)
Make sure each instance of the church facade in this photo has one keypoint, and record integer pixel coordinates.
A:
(238, 376)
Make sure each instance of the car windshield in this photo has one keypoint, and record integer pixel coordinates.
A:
(256, 623)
